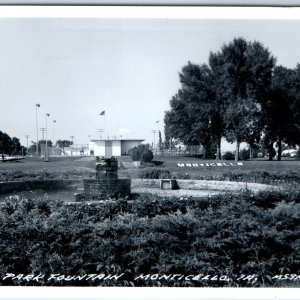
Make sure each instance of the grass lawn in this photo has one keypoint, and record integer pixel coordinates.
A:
(76, 167)
(248, 166)
(54, 164)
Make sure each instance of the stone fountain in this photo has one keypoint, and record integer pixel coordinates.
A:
(107, 185)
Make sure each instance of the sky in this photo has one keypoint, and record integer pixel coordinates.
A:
(75, 68)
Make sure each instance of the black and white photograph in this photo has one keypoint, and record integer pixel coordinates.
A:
(156, 150)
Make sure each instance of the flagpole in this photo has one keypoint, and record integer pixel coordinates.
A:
(104, 126)
(157, 122)
(104, 129)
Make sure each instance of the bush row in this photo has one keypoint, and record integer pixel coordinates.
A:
(42, 175)
(223, 235)
(253, 176)
(246, 176)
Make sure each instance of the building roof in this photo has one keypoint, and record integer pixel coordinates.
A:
(131, 140)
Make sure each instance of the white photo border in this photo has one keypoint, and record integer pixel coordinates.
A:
(151, 12)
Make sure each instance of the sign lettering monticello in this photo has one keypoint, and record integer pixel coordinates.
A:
(197, 165)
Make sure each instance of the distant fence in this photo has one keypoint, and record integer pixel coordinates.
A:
(73, 150)
(187, 151)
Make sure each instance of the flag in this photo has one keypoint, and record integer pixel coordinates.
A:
(157, 121)
(102, 113)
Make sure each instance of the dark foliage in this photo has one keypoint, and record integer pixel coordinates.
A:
(154, 173)
(228, 155)
(43, 174)
(141, 153)
(9, 145)
(228, 235)
(244, 154)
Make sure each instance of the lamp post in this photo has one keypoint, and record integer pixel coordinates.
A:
(54, 121)
(46, 150)
(37, 130)
(43, 133)
(27, 136)
(158, 143)
(72, 137)
(153, 131)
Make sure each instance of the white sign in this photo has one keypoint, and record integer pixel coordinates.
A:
(197, 165)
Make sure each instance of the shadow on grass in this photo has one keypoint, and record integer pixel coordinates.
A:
(153, 163)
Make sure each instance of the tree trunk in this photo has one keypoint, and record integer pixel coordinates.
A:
(250, 152)
(237, 150)
(279, 144)
(271, 152)
(204, 153)
(218, 149)
(264, 151)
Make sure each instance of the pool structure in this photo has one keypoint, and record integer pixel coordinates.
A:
(106, 185)
(68, 190)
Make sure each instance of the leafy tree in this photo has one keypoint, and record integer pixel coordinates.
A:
(64, 143)
(192, 115)
(141, 153)
(279, 118)
(43, 142)
(244, 72)
(16, 147)
(42, 145)
(9, 145)
(5, 143)
(295, 108)
(32, 148)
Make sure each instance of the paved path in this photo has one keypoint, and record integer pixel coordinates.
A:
(175, 193)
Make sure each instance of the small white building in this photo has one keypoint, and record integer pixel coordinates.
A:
(112, 147)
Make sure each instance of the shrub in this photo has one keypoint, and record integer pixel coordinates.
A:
(154, 173)
(141, 153)
(244, 154)
(228, 156)
(230, 234)
(147, 156)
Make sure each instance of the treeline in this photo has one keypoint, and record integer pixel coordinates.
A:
(12, 146)
(240, 95)
(50, 144)
(9, 145)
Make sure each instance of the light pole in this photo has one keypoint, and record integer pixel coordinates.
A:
(153, 131)
(103, 115)
(46, 150)
(72, 137)
(54, 121)
(37, 130)
(158, 143)
(27, 136)
(43, 133)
